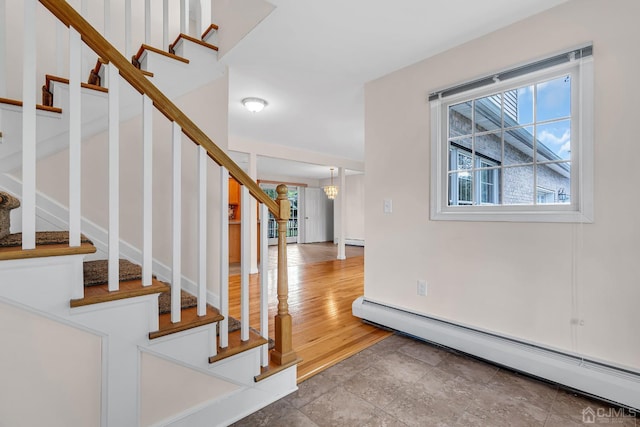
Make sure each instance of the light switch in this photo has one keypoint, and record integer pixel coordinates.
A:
(388, 206)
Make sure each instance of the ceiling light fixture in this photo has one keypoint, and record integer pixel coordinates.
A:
(255, 105)
(331, 190)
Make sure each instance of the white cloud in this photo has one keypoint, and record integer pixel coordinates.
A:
(549, 138)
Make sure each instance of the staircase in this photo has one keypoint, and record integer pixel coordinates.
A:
(142, 334)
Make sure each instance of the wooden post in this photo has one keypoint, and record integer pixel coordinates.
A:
(283, 352)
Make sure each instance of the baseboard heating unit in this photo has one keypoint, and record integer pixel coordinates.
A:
(615, 384)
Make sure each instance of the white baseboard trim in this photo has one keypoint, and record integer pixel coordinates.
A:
(610, 383)
(351, 242)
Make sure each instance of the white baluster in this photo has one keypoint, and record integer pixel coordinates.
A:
(147, 21)
(127, 28)
(165, 24)
(61, 32)
(202, 231)
(114, 176)
(199, 24)
(212, 12)
(176, 220)
(75, 137)
(3, 51)
(29, 127)
(245, 260)
(184, 17)
(107, 19)
(224, 258)
(264, 281)
(147, 191)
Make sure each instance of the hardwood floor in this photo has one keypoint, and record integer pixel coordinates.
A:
(321, 290)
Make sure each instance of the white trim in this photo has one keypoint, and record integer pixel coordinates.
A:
(165, 25)
(224, 258)
(147, 190)
(28, 205)
(114, 175)
(75, 136)
(245, 260)
(176, 222)
(581, 208)
(147, 21)
(3, 51)
(614, 383)
(264, 281)
(202, 231)
(127, 28)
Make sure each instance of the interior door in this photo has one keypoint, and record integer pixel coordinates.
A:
(318, 222)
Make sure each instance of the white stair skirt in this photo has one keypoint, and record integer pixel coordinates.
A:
(607, 382)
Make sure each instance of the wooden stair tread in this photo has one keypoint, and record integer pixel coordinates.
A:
(128, 289)
(161, 52)
(41, 251)
(189, 319)
(272, 369)
(212, 27)
(49, 78)
(41, 107)
(194, 40)
(236, 346)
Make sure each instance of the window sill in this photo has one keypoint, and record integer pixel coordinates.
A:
(521, 215)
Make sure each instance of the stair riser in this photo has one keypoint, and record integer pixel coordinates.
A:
(192, 347)
(175, 78)
(45, 284)
(242, 367)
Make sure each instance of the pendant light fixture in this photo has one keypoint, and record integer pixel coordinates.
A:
(331, 190)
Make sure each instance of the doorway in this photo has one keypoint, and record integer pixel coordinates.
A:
(292, 225)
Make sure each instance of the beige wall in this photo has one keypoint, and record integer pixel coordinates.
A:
(51, 373)
(524, 280)
(236, 19)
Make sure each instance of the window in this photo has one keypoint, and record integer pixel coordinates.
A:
(483, 172)
(513, 150)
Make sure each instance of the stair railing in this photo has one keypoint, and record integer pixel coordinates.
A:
(116, 64)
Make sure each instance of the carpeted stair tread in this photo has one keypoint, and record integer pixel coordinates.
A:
(42, 238)
(97, 273)
(186, 301)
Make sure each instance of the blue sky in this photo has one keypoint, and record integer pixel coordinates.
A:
(553, 102)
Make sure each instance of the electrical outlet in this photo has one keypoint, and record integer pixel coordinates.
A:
(422, 288)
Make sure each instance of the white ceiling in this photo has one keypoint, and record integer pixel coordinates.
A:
(310, 60)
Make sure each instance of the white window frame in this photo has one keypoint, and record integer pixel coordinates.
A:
(477, 169)
(580, 210)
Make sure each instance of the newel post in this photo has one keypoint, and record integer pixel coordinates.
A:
(283, 352)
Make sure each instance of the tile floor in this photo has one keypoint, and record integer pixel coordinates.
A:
(404, 382)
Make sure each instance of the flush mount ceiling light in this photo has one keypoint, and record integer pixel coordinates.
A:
(255, 105)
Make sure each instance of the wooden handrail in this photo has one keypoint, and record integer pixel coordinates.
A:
(92, 38)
